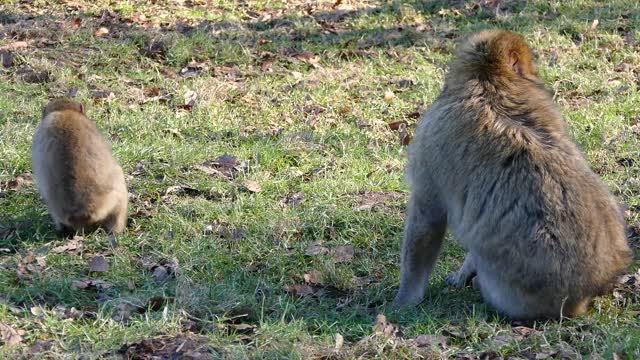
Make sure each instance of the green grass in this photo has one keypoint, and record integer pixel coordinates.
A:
(318, 128)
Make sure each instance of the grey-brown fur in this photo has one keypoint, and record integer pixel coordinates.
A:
(492, 161)
(76, 174)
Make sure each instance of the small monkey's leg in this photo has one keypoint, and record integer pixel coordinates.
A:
(463, 276)
(116, 221)
(424, 231)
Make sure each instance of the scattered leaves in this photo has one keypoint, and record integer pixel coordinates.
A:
(169, 347)
(72, 245)
(90, 284)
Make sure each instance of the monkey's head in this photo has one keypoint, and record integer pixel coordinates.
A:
(498, 55)
(62, 104)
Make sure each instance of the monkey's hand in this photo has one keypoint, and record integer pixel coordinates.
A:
(459, 280)
(463, 276)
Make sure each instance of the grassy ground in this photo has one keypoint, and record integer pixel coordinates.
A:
(267, 191)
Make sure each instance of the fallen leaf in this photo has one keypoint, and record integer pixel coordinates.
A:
(342, 254)
(313, 277)
(226, 165)
(10, 336)
(525, 331)
(71, 245)
(385, 328)
(292, 200)
(98, 264)
(15, 45)
(300, 290)
(339, 342)
(103, 96)
(310, 58)
(90, 284)
(315, 249)
(40, 346)
(101, 31)
(389, 95)
(252, 186)
(189, 100)
(17, 183)
(395, 126)
(156, 303)
(429, 340)
(160, 274)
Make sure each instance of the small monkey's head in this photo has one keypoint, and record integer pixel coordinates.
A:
(62, 104)
(498, 55)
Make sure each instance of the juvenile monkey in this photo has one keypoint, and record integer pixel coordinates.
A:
(76, 174)
(492, 161)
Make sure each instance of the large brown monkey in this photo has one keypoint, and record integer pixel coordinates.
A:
(76, 174)
(492, 161)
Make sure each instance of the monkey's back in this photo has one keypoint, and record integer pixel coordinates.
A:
(521, 196)
(73, 164)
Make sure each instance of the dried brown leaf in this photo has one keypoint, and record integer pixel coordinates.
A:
(342, 254)
(292, 200)
(102, 31)
(252, 186)
(71, 245)
(385, 328)
(10, 337)
(429, 340)
(15, 45)
(314, 277)
(316, 249)
(389, 95)
(300, 289)
(98, 264)
(160, 274)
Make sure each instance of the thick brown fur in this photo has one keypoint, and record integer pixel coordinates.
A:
(493, 162)
(81, 182)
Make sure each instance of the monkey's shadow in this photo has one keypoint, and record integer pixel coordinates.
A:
(26, 224)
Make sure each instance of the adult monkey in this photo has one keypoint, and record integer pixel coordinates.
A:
(492, 160)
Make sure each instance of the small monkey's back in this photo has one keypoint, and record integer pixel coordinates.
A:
(75, 170)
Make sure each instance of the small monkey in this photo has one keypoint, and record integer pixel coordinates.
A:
(493, 162)
(80, 181)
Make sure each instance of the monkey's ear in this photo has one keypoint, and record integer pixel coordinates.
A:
(82, 108)
(515, 63)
